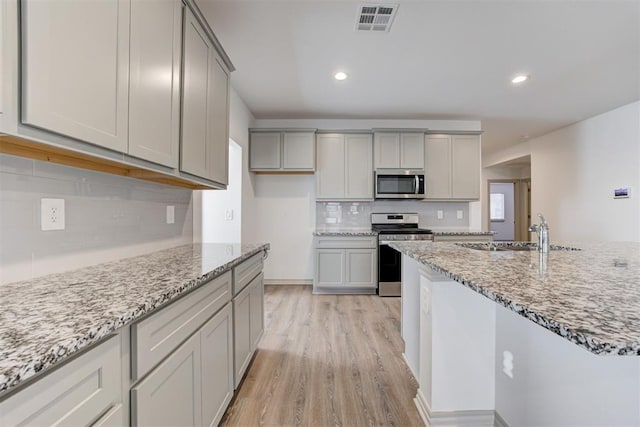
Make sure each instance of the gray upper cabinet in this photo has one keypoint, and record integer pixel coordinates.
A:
(287, 151)
(154, 98)
(452, 167)
(75, 69)
(141, 87)
(399, 150)
(345, 167)
(204, 148)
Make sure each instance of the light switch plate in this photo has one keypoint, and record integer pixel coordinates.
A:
(440, 214)
(459, 214)
(52, 214)
(228, 215)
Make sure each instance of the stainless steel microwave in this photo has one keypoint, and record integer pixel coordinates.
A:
(399, 184)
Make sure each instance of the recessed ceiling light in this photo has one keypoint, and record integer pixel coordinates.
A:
(519, 78)
(340, 75)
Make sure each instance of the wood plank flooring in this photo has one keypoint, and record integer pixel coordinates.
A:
(327, 360)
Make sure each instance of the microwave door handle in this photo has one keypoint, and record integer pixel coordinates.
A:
(417, 182)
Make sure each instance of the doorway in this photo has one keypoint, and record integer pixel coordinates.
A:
(510, 209)
(222, 209)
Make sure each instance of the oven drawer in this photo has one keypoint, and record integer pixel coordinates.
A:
(347, 242)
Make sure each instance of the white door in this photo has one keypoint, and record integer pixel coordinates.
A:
(502, 210)
(465, 168)
(412, 151)
(387, 150)
(75, 65)
(437, 169)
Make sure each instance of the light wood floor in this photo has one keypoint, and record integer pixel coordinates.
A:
(327, 360)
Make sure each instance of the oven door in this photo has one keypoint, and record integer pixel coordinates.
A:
(389, 271)
(400, 185)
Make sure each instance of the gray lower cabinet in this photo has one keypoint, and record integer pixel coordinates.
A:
(185, 383)
(85, 391)
(345, 265)
(172, 393)
(216, 345)
(248, 323)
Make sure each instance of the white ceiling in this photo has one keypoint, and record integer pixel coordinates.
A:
(441, 60)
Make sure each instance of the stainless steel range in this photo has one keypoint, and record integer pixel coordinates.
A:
(393, 227)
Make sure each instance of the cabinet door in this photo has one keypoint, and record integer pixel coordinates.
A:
(257, 311)
(299, 151)
(241, 334)
(216, 340)
(218, 114)
(265, 150)
(197, 52)
(171, 394)
(330, 176)
(330, 268)
(465, 177)
(113, 418)
(412, 151)
(154, 87)
(359, 167)
(75, 65)
(387, 150)
(361, 268)
(76, 393)
(437, 169)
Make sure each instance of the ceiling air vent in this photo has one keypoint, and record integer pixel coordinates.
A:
(375, 17)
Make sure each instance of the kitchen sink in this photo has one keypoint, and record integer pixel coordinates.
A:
(512, 246)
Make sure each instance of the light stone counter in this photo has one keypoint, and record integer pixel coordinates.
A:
(590, 297)
(47, 319)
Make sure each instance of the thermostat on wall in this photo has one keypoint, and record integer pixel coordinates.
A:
(622, 193)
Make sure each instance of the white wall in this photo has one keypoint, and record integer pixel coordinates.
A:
(240, 120)
(574, 171)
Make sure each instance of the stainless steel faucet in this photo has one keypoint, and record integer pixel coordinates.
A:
(542, 230)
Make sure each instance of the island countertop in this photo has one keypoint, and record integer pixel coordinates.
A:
(46, 319)
(590, 297)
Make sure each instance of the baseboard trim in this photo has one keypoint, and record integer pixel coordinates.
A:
(286, 282)
(406, 361)
(500, 422)
(474, 418)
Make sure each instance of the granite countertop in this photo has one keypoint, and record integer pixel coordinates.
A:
(355, 232)
(462, 233)
(46, 319)
(590, 297)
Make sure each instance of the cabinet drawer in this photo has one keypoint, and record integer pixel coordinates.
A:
(336, 242)
(153, 338)
(75, 394)
(244, 273)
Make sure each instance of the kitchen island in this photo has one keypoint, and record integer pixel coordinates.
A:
(519, 338)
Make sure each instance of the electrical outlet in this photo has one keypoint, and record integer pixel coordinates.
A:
(52, 214)
(459, 214)
(228, 215)
(171, 214)
(440, 214)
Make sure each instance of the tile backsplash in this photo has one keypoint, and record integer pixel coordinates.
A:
(107, 217)
(351, 215)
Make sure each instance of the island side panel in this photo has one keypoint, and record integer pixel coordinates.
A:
(544, 380)
(410, 313)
